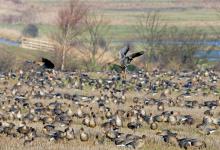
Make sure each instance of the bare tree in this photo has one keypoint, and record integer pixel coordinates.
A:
(96, 43)
(70, 25)
(150, 30)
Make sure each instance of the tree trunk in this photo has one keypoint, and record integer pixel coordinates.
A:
(63, 59)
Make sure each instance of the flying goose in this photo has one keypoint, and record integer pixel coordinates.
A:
(125, 58)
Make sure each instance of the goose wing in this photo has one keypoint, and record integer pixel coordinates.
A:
(137, 54)
(124, 51)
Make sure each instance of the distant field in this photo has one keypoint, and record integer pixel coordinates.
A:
(123, 14)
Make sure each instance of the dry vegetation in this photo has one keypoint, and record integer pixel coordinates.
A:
(153, 141)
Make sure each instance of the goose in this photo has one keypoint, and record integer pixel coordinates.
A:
(84, 136)
(92, 121)
(185, 119)
(166, 132)
(135, 100)
(108, 113)
(47, 119)
(160, 106)
(69, 111)
(29, 117)
(184, 143)
(86, 120)
(120, 140)
(198, 144)
(48, 128)
(126, 59)
(159, 118)
(133, 125)
(171, 139)
(194, 143)
(118, 121)
(207, 120)
(153, 126)
(55, 135)
(7, 128)
(47, 64)
(19, 115)
(172, 119)
(24, 129)
(100, 138)
(216, 121)
(149, 119)
(30, 136)
(79, 112)
(112, 134)
(137, 143)
(69, 133)
(205, 130)
(108, 125)
(142, 111)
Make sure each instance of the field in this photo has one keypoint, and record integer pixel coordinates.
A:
(123, 15)
(205, 89)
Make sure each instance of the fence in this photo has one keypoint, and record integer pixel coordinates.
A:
(37, 44)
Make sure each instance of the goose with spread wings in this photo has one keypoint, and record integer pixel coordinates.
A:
(125, 58)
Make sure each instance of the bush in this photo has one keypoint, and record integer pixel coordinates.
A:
(7, 61)
(30, 30)
(181, 53)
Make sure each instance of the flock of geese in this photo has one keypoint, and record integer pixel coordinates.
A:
(55, 102)
(105, 108)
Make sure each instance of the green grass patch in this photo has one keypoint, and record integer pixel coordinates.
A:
(24, 54)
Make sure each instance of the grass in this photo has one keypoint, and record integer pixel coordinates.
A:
(23, 54)
(117, 32)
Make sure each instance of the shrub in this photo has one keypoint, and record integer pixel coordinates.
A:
(181, 53)
(30, 30)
